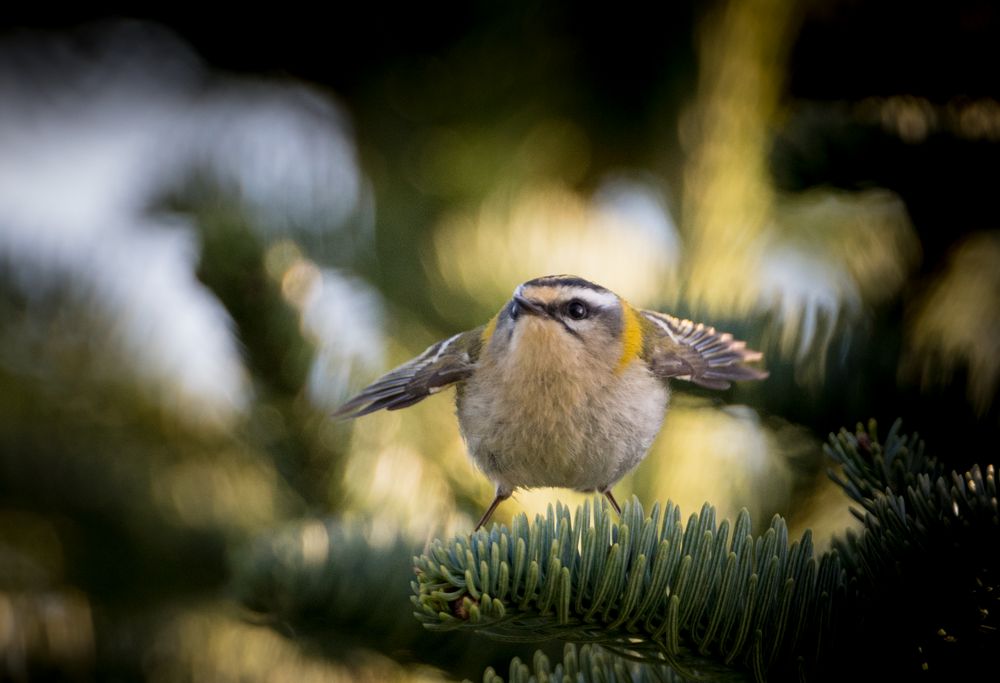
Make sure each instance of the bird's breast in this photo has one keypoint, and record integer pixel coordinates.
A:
(542, 414)
(540, 382)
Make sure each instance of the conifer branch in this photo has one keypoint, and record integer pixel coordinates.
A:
(304, 575)
(870, 467)
(586, 664)
(698, 598)
(924, 570)
(327, 582)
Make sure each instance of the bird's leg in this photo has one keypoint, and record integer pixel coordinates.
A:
(614, 503)
(500, 497)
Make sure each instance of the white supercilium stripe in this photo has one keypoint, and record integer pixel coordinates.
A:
(594, 298)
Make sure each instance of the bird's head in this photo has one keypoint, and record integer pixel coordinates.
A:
(568, 317)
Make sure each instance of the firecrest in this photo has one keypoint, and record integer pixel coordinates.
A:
(565, 386)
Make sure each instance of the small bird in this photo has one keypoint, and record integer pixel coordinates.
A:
(565, 386)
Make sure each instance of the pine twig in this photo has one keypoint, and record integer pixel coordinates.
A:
(586, 664)
(693, 597)
(924, 571)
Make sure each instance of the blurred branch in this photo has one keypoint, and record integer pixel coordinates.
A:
(233, 267)
(340, 586)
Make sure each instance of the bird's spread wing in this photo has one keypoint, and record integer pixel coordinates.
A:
(444, 363)
(697, 353)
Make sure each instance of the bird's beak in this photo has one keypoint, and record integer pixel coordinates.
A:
(530, 307)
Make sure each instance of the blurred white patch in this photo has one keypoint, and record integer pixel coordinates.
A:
(806, 292)
(285, 149)
(832, 259)
(641, 210)
(343, 317)
(340, 315)
(98, 127)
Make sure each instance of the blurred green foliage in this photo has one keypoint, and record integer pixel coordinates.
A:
(813, 187)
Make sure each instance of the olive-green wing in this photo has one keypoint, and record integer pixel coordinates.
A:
(697, 353)
(444, 363)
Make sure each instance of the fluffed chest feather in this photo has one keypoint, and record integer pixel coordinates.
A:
(559, 424)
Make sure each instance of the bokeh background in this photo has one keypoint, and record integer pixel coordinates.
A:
(214, 230)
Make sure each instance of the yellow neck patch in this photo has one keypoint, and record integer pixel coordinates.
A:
(490, 328)
(631, 336)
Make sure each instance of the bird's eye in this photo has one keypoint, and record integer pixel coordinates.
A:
(577, 310)
(515, 310)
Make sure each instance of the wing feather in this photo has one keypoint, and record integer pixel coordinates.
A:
(446, 362)
(695, 352)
